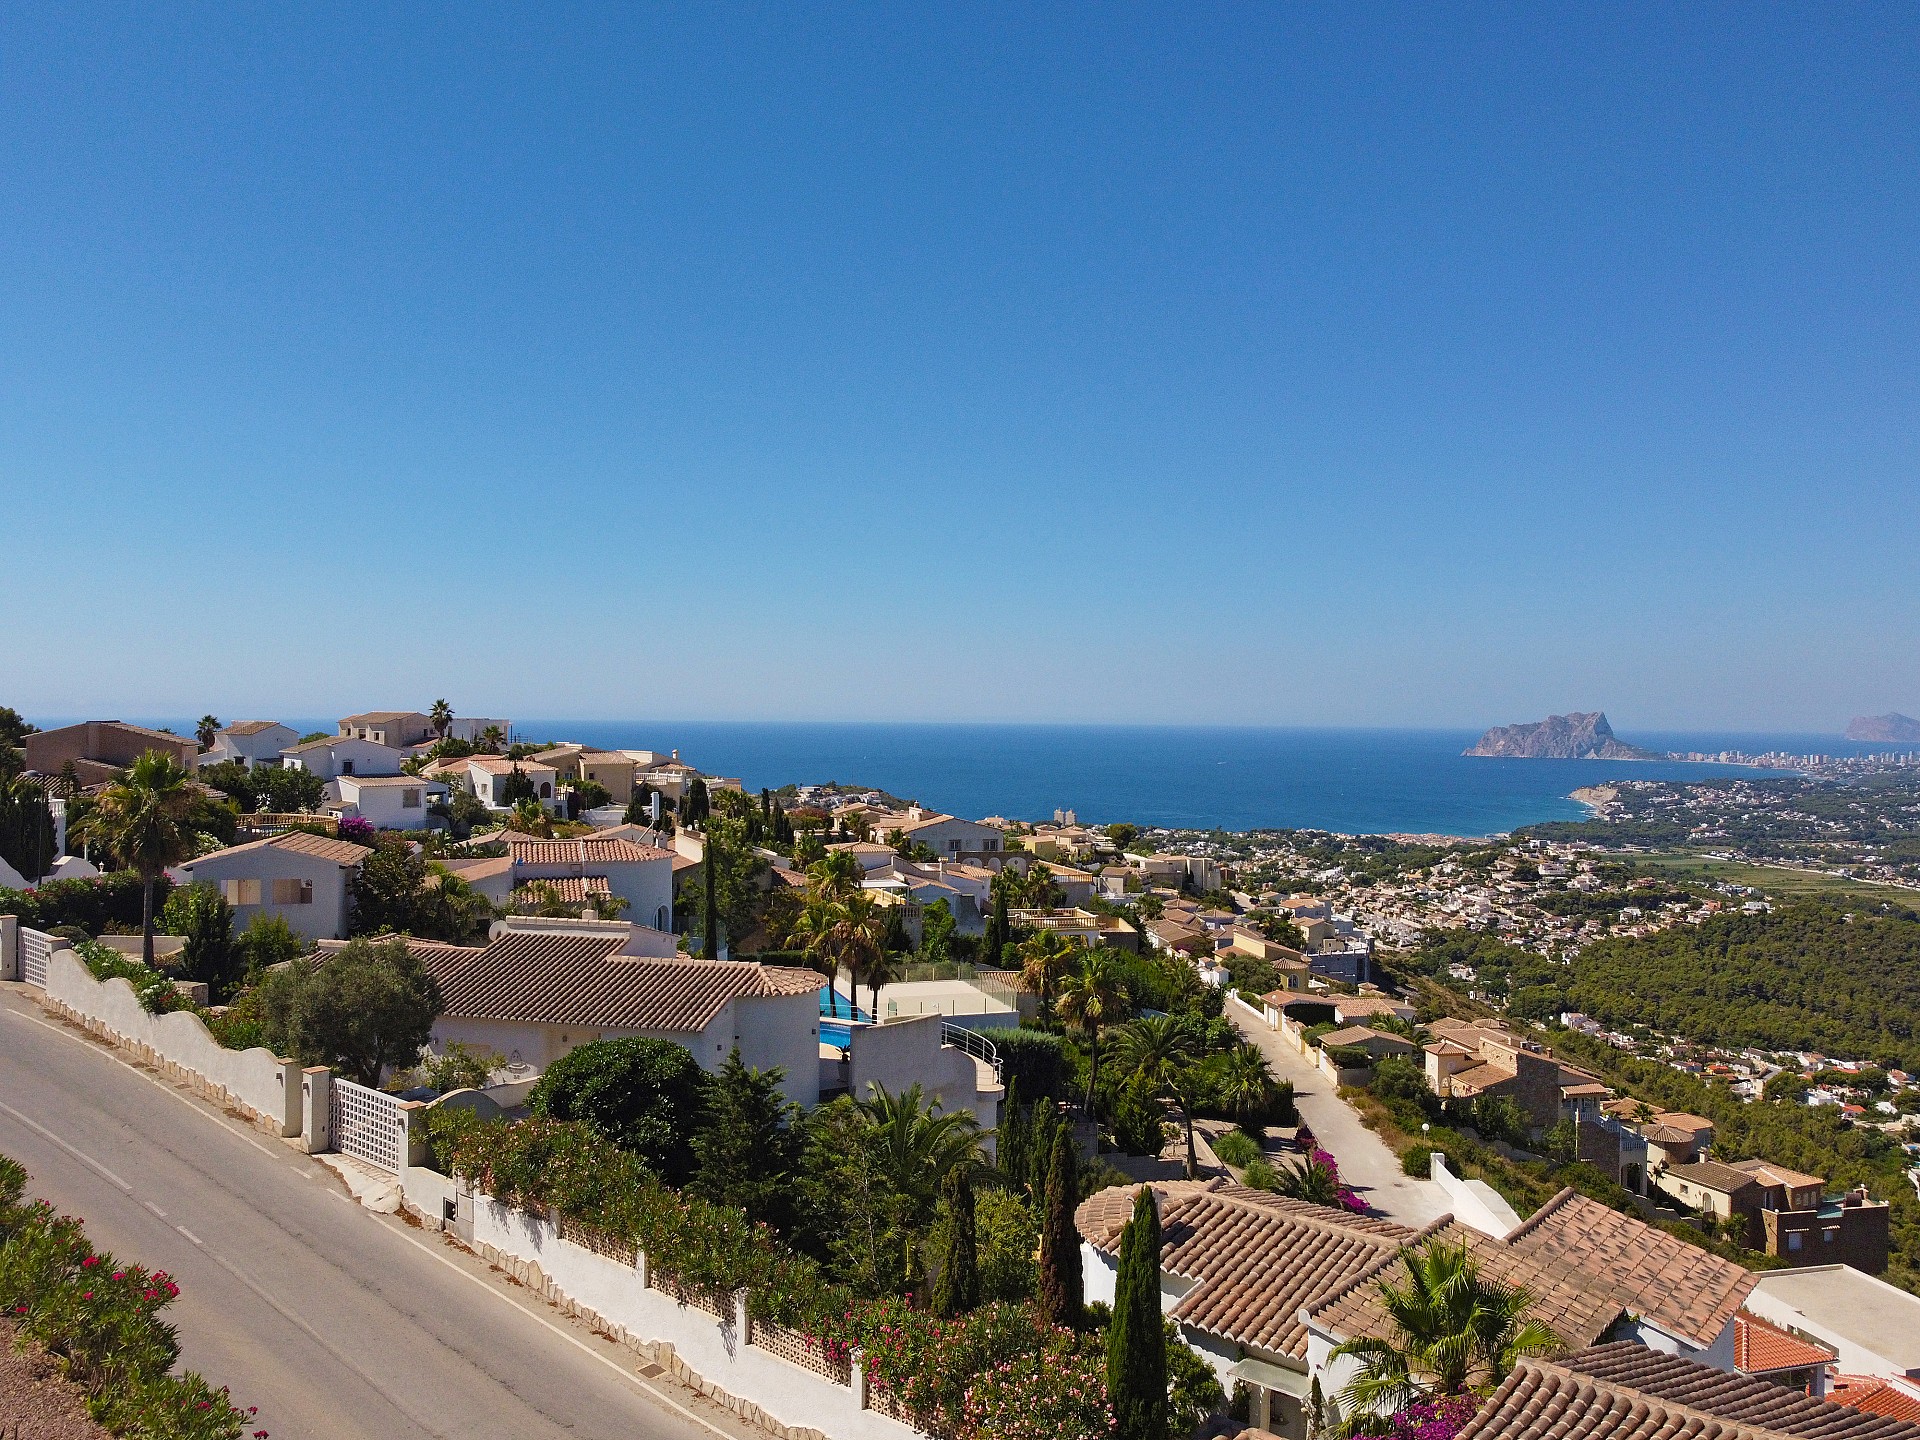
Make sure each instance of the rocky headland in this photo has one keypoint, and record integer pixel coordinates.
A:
(1559, 737)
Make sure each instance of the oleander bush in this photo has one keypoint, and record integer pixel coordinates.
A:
(100, 1320)
(960, 1377)
(92, 904)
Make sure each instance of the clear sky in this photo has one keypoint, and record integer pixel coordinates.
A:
(1269, 364)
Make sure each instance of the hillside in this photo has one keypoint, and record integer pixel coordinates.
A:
(1807, 977)
(1577, 736)
(1894, 729)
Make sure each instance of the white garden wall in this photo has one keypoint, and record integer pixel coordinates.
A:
(762, 1387)
(256, 1082)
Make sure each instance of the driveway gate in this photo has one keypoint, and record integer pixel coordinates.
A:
(368, 1125)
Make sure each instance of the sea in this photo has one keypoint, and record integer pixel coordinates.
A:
(1353, 781)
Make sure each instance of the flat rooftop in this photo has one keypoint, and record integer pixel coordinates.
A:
(1853, 1305)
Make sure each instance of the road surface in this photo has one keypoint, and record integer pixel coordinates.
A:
(334, 1321)
(1365, 1161)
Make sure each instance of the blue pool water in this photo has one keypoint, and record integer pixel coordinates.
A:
(836, 1032)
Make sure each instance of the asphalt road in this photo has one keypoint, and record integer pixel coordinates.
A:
(1365, 1161)
(334, 1321)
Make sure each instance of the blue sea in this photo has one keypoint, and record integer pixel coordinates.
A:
(1349, 780)
(1353, 781)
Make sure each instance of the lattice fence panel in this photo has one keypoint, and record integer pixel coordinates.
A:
(801, 1350)
(35, 950)
(600, 1242)
(368, 1125)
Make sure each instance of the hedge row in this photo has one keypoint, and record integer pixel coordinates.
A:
(934, 1368)
(101, 1320)
(91, 904)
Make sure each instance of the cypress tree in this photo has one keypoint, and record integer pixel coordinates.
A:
(1061, 1300)
(957, 1290)
(1137, 1338)
(1043, 1123)
(710, 908)
(997, 933)
(1010, 1144)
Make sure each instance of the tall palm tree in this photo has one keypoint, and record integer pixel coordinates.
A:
(140, 818)
(1246, 1086)
(1164, 1055)
(204, 732)
(492, 737)
(1090, 999)
(1453, 1329)
(1044, 958)
(859, 939)
(441, 716)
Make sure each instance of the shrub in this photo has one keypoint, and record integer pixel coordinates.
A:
(1237, 1148)
(1417, 1160)
(92, 904)
(1036, 1061)
(155, 991)
(1259, 1175)
(642, 1095)
(1398, 1078)
(100, 1319)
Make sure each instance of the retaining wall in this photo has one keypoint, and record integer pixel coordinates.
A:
(257, 1083)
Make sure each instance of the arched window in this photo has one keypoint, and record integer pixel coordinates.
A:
(546, 791)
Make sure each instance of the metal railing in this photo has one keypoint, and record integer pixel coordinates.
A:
(974, 1043)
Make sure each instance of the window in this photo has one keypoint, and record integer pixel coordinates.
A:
(1793, 1240)
(346, 767)
(546, 790)
(409, 799)
(290, 892)
(241, 892)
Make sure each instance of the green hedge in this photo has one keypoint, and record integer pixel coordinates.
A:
(1036, 1061)
(101, 1319)
(91, 904)
(929, 1365)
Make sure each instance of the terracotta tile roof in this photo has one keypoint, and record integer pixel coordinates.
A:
(249, 727)
(1715, 1176)
(1352, 1005)
(1759, 1346)
(1771, 1174)
(1481, 1076)
(573, 889)
(501, 765)
(1585, 1265)
(1875, 1396)
(1669, 1134)
(321, 847)
(584, 851)
(561, 979)
(486, 869)
(378, 717)
(1627, 1391)
(1257, 1259)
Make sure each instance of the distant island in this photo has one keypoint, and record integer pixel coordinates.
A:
(1892, 729)
(1559, 737)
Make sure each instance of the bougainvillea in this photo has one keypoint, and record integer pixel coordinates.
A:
(1058, 1392)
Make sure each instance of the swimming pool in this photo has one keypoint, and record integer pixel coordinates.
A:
(836, 1032)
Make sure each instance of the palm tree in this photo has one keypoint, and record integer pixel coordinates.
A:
(492, 737)
(1453, 1329)
(139, 818)
(204, 732)
(1308, 1179)
(1044, 958)
(441, 716)
(530, 817)
(859, 942)
(1090, 999)
(1163, 1055)
(917, 1145)
(1246, 1086)
(834, 876)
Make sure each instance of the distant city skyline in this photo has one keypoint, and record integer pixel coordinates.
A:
(1237, 366)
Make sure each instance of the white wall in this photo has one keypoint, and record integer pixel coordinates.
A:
(901, 1053)
(330, 762)
(381, 804)
(790, 1395)
(179, 1046)
(770, 1030)
(324, 919)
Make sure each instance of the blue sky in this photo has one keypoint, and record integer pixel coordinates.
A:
(1255, 364)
